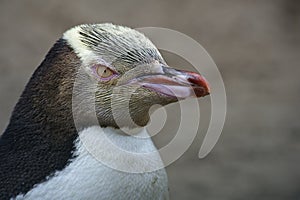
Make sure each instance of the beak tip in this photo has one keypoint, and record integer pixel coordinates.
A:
(199, 81)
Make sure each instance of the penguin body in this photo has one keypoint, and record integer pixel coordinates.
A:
(43, 154)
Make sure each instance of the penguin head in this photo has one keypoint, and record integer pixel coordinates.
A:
(121, 75)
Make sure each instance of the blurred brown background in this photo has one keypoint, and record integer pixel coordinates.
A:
(256, 45)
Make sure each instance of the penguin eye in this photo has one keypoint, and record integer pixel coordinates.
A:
(104, 73)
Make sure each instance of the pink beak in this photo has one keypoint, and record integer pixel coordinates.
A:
(176, 83)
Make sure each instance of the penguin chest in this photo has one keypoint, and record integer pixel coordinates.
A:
(87, 178)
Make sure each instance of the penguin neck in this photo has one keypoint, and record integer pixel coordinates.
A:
(98, 138)
(43, 115)
(133, 153)
(41, 128)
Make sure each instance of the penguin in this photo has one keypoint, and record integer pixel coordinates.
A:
(42, 150)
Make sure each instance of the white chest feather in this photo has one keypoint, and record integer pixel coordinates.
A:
(87, 178)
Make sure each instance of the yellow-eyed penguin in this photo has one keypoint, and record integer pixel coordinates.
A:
(41, 153)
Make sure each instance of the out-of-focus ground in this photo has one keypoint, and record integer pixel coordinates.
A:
(256, 45)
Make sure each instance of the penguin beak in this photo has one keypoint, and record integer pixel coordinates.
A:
(176, 83)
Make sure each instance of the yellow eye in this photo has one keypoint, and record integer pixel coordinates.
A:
(104, 72)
